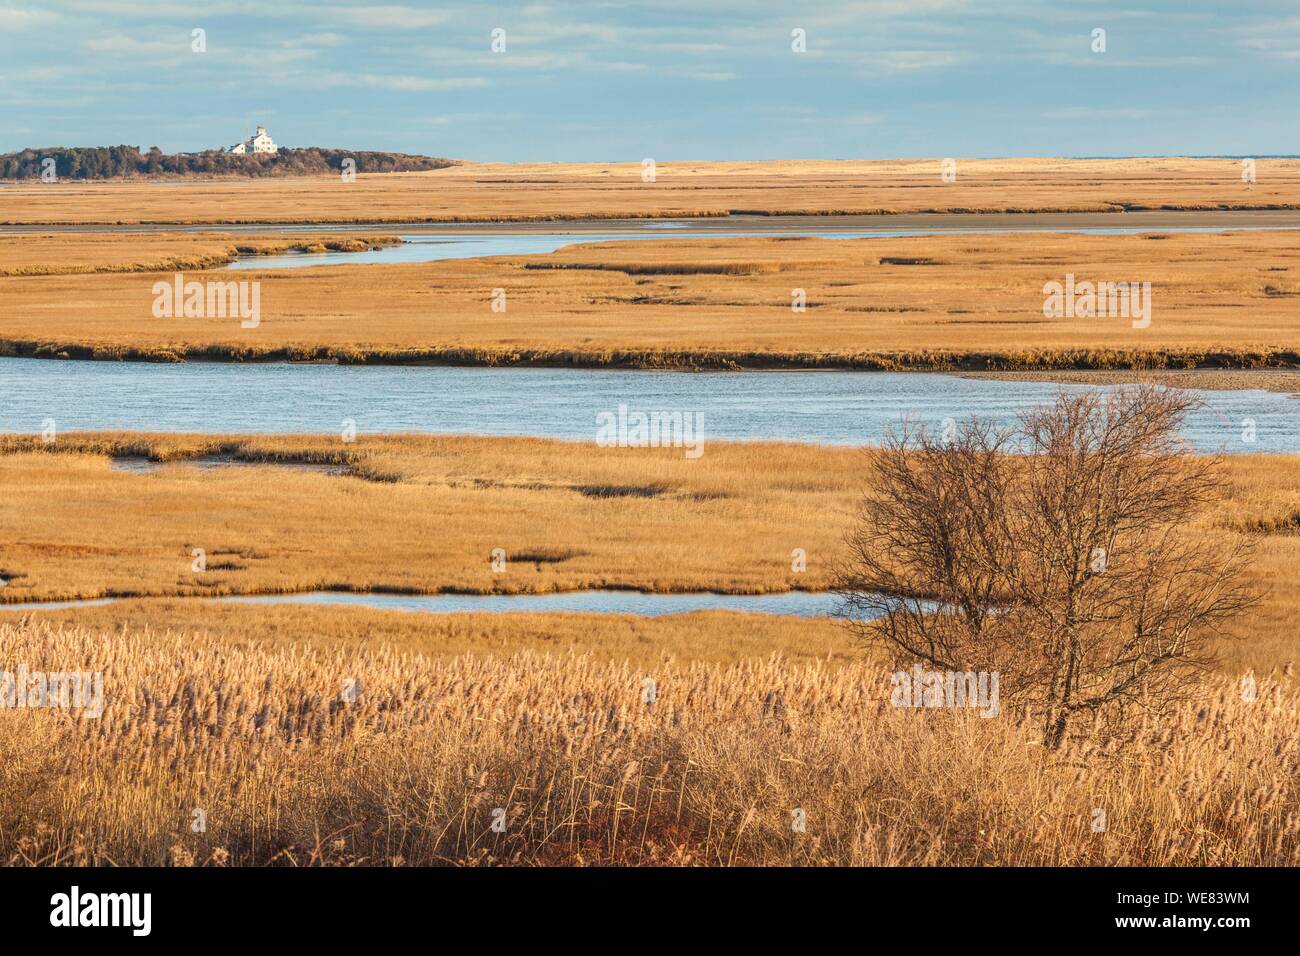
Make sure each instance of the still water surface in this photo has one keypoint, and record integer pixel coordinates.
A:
(789, 603)
(845, 408)
(424, 248)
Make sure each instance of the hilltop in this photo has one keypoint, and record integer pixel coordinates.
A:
(128, 162)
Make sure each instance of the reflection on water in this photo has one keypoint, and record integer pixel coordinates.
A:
(423, 248)
(55, 605)
(789, 603)
(847, 408)
(792, 603)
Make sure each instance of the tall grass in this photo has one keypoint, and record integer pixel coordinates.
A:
(562, 749)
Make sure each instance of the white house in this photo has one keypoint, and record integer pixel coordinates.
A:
(261, 143)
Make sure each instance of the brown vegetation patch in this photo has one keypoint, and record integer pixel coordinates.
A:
(666, 269)
(545, 556)
(1277, 524)
(622, 491)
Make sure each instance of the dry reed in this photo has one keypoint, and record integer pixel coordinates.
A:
(562, 749)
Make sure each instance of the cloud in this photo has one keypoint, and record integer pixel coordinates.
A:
(385, 17)
(177, 49)
(1010, 69)
(569, 62)
(909, 61)
(462, 119)
(315, 39)
(1277, 38)
(14, 19)
(553, 29)
(402, 84)
(129, 46)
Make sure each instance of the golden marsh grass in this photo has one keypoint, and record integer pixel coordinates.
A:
(496, 192)
(104, 252)
(647, 519)
(724, 637)
(928, 302)
(375, 757)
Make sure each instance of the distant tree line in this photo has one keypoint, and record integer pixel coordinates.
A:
(106, 162)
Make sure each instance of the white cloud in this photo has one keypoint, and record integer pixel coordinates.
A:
(12, 18)
(385, 17)
(130, 46)
(315, 39)
(463, 119)
(906, 61)
(403, 84)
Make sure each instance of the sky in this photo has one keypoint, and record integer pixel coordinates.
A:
(672, 79)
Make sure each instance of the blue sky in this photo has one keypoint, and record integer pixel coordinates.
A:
(669, 79)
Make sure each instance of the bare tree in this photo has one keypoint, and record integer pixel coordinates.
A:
(1056, 553)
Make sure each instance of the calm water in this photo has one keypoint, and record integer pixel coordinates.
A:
(418, 248)
(790, 603)
(820, 407)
